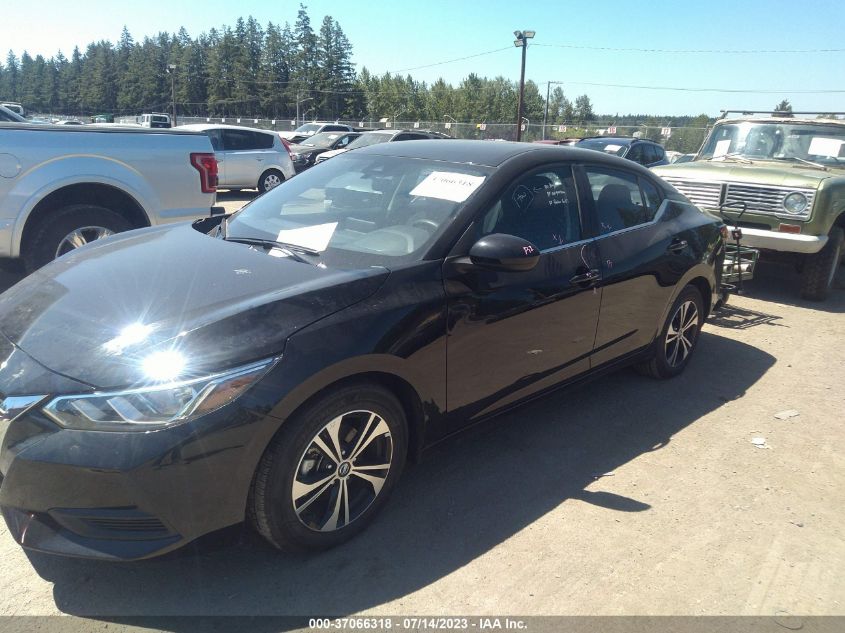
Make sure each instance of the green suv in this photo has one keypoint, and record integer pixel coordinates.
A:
(787, 177)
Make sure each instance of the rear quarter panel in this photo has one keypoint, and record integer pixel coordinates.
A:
(153, 168)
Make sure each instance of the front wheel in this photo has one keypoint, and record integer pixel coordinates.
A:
(270, 179)
(678, 338)
(820, 268)
(330, 469)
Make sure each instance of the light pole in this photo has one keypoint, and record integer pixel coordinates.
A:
(298, 101)
(171, 70)
(396, 115)
(522, 38)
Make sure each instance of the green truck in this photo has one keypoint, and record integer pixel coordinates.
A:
(785, 174)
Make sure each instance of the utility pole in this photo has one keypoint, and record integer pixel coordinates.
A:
(546, 111)
(171, 69)
(522, 38)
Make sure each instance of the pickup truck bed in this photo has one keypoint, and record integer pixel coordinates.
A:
(62, 186)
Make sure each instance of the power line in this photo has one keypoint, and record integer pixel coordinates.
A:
(698, 50)
(679, 89)
(450, 61)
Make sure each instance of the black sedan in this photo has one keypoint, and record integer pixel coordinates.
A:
(281, 365)
(305, 153)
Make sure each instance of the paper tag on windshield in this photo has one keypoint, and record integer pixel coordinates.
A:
(315, 237)
(447, 185)
(612, 148)
(722, 148)
(821, 146)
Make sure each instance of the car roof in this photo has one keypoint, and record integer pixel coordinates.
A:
(619, 140)
(484, 153)
(202, 127)
(780, 119)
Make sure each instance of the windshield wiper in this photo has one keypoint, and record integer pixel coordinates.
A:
(802, 160)
(293, 250)
(735, 156)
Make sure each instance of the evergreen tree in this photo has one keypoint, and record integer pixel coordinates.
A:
(11, 77)
(304, 69)
(584, 109)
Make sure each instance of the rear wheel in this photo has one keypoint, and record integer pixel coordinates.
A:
(820, 268)
(69, 228)
(270, 179)
(678, 338)
(330, 469)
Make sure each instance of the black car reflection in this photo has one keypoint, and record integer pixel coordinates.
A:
(281, 364)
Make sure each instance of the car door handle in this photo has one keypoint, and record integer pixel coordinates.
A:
(589, 277)
(677, 246)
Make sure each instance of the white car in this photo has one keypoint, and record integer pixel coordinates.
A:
(310, 129)
(247, 158)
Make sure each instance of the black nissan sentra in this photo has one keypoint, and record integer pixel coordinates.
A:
(281, 365)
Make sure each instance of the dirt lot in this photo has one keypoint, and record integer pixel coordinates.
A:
(626, 496)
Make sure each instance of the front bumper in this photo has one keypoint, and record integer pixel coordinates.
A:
(783, 242)
(125, 496)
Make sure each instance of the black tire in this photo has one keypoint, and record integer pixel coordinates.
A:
(50, 232)
(270, 179)
(293, 458)
(668, 359)
(820, 268)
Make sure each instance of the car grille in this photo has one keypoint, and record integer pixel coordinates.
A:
(700, 193)
(757, 198)
(132, 525)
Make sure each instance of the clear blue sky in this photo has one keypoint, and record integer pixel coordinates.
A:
(401, 34)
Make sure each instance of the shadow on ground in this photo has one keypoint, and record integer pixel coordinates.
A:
(780, 283)
(467, 496)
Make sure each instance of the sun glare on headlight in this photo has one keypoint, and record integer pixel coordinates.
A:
(164, 366)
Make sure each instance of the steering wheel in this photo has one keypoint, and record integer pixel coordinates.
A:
(426, 224)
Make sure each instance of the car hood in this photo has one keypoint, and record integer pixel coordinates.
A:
(95, 314)
(774, 173)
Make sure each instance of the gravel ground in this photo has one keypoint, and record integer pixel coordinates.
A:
(625, 496)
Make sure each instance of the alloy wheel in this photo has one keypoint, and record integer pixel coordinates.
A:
(80, 237)
(683, 330)
(342, 471)
(271, 181)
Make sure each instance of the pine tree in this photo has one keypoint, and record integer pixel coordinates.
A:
(304, 62)
(11, 77)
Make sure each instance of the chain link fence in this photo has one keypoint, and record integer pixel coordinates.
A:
(683, 138)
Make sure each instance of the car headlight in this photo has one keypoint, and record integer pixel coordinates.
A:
(157, 405)
(795, 203)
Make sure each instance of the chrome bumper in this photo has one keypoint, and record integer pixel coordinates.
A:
(783, 242)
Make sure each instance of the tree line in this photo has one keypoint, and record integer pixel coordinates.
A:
(271, 72)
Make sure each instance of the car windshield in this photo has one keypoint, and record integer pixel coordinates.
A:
(324, 139)
(361, 210)
(308, 128)
(370, 139)
(814, 142)
(608, 146)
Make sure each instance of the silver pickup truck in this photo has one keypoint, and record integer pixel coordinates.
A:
(64, 186)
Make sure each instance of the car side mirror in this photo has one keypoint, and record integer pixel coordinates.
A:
(505, 253)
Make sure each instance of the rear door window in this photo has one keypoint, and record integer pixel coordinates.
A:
(636, 154)
(654, 153)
